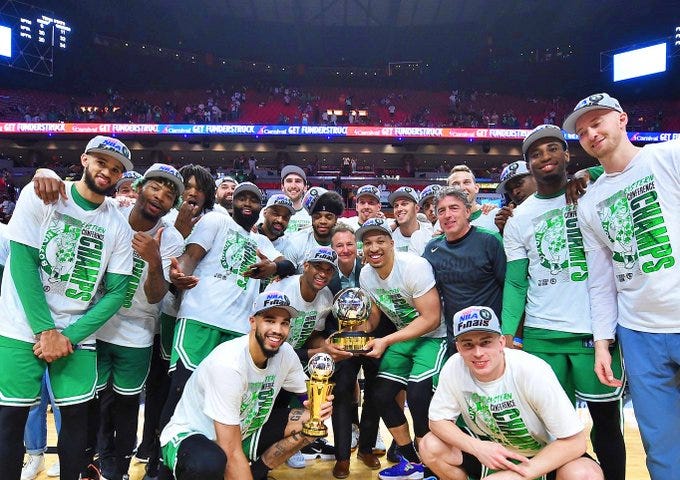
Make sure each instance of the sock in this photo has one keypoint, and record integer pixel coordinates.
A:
(408, 451)
(259, 470)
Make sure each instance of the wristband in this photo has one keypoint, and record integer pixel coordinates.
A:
(518, 342)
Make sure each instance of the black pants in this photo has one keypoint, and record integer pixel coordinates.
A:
(157, 386)
(345, 378)
(117, 433)
(418, 395)
(71, 445)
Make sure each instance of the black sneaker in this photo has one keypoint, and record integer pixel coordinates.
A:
(393, 453)
(319, 448)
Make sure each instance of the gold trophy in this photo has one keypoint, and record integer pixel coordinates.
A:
(351, 307)
(319, 386)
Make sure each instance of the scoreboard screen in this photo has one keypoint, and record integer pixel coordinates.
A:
(29, 36)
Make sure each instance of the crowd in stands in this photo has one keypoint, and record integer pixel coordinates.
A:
(283, 104)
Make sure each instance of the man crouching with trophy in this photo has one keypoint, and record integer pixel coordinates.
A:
(225, 425)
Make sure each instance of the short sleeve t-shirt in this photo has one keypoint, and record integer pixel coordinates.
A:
(311, 316)
(633, 215)
(411, 277)
(298, 247)
(134, 324)
(227, 387)
(300, 220)
(223, 296)
(523, 410)
(415, 243)
(546, 232)
(484, 220)
(76, 247)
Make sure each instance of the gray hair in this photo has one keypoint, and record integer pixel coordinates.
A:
(455, 193)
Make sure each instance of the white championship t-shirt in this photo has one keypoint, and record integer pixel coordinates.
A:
(227, 387)
(135, 323)
(312, 315)
(299, 246)
(223, 297)
(546, 231)
(524, 410)
(76, 248)
(631, 233)
(484, 220)
(415, 243)
(300, 220)
(411, 277)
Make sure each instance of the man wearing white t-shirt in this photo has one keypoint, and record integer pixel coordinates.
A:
(410, 234)
(124, 343)
(367, 206)
(463, 178)
(324, 207)
(521, 423)
(631, 235)
(226, 425)
(60, 254)
(224, 193)
(544, 249)
(402, 285)
(276, 215)
(294, 185)
(222, 255)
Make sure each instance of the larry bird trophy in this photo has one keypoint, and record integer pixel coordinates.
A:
(319, 386)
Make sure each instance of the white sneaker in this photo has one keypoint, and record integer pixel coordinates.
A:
(297, 460)
(379, 448)
(53, 471)
(355, 437)
(33, 466)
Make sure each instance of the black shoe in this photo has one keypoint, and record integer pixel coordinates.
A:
(319, 448)
(393, 453)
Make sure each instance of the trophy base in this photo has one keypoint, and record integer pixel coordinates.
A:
(352, 342)
(315, 430)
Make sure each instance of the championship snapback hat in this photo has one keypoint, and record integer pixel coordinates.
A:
(112, 147)
(371, 224)
(592, 102)
(475, 319)
(272, 299)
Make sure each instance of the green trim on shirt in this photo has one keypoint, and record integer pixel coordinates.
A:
(82, 202)
(475, 215)
(595, 172)
(25, 271)
(102, 311)
(514, 294)
(554, 195)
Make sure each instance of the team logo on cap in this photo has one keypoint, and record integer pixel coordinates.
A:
(430, 190)
(311, 197)
(114, 146)
(374, 222)
(368, 190)
(325, 254)
(276, 299)
(474, 318)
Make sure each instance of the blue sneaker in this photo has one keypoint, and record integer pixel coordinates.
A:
(404, 470)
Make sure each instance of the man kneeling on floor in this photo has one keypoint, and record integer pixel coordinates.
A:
(522, 424)
(224, 426)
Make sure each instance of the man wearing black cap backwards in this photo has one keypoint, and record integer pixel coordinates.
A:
(60, 255)
(631, 235)
(522, 424)
(544, 248)
(225, 425)
(324, 207)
